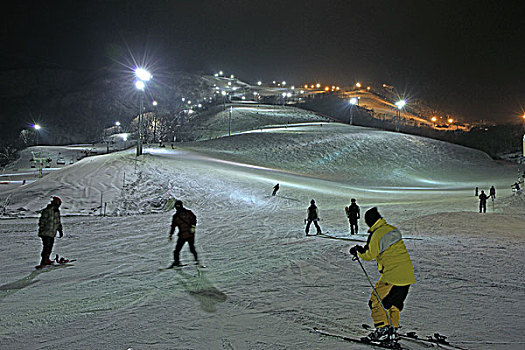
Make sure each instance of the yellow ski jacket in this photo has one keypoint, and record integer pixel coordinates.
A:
(386, 246)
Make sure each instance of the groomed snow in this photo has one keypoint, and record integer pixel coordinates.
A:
(266, 284)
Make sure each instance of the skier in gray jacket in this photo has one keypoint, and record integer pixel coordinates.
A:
(48, 226)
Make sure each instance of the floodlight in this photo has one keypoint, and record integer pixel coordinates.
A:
(143, 74)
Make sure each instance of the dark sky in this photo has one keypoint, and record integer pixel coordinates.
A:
(466, 56)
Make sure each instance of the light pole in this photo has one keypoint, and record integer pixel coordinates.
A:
(155, 103)
(353, 102)
(399, 104)
(37, 128)
(143, 76)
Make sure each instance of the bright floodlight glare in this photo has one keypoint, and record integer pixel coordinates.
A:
(450, 120)
(434, 119)
(284, 94)
(358, 84)
(353, 100)
(117, 123)
(400, 104)
(223, 93)
(220, 72)
(154, 103)
(142, 74)
(139, 84)
(523, 116)
(259, 83)
(36, 126)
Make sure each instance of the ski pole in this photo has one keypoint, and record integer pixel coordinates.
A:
(356, 258)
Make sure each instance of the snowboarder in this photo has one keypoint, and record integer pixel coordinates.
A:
(476, 192)
(385, 245)
(313, 216)
(48, 225)
(353, 214)
(492, 192)
(186, 222)
(275, 189)
(483, 202)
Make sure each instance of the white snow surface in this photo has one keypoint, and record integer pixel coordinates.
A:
(266, 284)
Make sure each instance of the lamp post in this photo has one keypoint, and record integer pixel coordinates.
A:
(143, 76)
(37, 128)
(399, 104)
(155, 104)
(353, 102)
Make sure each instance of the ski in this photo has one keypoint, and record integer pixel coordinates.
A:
(184, 265)
(391, 345)
(436, 341)
(324, 235)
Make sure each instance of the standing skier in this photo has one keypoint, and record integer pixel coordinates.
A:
(186, 222)
(353, 214)
(313, 216)
(483, 202)
(48, 225)
(386, 246)
(492, 193)
(275, 189)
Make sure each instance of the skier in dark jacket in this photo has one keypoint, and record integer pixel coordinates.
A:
(48, 225)
(186, 222)
(483, 202)
(313, 216)
(275, 189)
(492, 193)
(353, 214)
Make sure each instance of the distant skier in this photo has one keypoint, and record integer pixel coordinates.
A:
(48, 226)
(483, 202)
(275, 189)
(492, 193)
(186, 222)
(313, 216)
(516, 187)
(353, 214)
(476, 192)
(386, 246)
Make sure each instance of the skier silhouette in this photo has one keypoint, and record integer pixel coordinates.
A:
(275, 189)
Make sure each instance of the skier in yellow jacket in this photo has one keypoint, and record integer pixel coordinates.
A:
(386, 246)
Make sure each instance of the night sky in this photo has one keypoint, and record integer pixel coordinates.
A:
(467, 57)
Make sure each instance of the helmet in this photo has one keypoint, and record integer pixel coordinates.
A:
(312, 202)
(178, 203)
(56, 200)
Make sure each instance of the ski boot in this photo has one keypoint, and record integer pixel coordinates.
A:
(385, 335)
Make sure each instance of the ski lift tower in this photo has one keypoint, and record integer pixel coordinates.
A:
(40, 162)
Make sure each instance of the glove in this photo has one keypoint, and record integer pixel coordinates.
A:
(61, 234)
(355, 249)
(170, 238)
(192, 229)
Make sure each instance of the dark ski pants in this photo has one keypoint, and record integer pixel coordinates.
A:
(315, 224)
(180, 244)
(353, 225)
(47, 246)
(483, 206)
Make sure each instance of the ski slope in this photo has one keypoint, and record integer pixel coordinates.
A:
(266, 284)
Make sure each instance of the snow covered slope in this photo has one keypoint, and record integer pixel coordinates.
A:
(266, 283)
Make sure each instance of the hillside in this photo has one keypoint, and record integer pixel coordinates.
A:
(266, 284)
